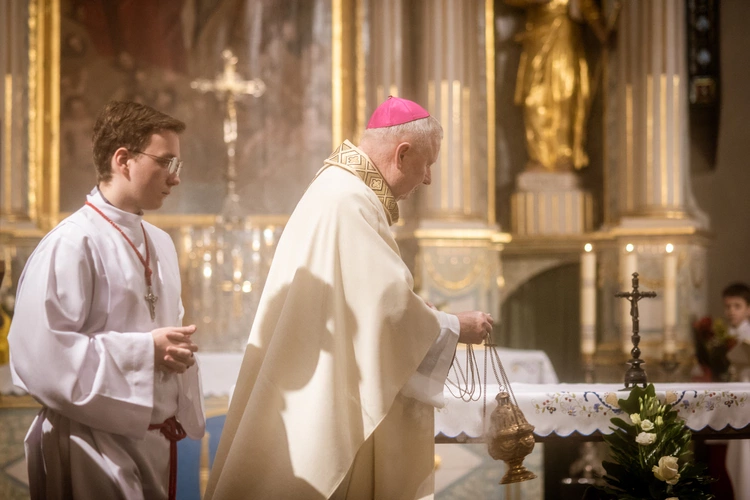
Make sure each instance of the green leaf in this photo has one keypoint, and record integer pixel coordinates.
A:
(629, 475)
(627, 427)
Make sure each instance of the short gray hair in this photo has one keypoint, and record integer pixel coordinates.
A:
(421, 131)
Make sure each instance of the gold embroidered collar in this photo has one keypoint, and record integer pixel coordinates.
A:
(348, 157)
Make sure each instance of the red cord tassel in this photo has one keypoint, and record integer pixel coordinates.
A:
(173, 431)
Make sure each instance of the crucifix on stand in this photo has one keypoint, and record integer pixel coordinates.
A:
(635, 374)
(229, 86)
(230, 264)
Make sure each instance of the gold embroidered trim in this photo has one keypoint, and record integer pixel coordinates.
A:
(348, 157)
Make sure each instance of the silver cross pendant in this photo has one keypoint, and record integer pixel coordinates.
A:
(151, 299)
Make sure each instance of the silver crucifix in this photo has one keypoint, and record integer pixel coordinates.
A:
(151, 299)
(229, 86)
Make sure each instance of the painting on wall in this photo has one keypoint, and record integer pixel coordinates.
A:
(150, 52)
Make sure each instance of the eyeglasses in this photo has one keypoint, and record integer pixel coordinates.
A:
(174, 164)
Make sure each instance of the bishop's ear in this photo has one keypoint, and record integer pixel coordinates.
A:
(401, 151)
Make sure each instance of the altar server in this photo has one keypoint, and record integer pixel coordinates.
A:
(736, 298)
(97, 336)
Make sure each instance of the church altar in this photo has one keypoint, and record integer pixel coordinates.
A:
(563, 410)
(555, 410)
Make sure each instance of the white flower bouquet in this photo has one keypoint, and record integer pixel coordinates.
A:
(651, 453)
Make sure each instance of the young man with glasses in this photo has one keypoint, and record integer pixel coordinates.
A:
(97, 336)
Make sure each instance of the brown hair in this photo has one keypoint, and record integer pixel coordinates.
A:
(129, 125)
(739, 290)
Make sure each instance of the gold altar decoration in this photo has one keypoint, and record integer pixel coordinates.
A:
(4, 323)
(554, 84)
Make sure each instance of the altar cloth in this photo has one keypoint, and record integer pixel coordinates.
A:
(563, 409)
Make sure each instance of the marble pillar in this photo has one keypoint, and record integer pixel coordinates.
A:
(649, 175)
(652, 105)
(453, 220)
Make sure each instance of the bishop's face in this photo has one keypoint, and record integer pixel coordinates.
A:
(416, 166)
(151, 181)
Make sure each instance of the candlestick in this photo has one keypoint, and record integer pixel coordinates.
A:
(588, 300)
(670, 299)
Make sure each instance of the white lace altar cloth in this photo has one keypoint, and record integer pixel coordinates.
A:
(563, 409)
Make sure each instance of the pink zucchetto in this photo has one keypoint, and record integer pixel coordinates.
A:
(396, 111)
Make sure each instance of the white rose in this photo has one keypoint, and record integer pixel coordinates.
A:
(667, 470)
(635, 418)
(645, 438)
(647, 425)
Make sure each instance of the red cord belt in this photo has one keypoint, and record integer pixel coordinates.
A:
(173, 431)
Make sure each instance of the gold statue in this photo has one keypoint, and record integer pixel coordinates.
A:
(553, 82)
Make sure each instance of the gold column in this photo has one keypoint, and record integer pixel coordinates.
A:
(458, 90)
(652, 108)
(386, 63)
(29, 114)
(30, 111)
(44, 99)
(459, 244)
(344, 61)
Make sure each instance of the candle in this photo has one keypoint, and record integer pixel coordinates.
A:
(588, 300)
(670, 299)
(628, 265)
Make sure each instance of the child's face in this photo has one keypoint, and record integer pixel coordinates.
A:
(736, 310)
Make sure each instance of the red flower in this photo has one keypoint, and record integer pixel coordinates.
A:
(704, 327)
(704, 324)
(712, 342)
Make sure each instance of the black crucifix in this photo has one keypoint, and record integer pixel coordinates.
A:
(635, 374)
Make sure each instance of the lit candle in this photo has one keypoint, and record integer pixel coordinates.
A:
(588, 300)
(670, 299)
(628, 265)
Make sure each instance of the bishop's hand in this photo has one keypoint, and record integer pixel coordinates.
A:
(475, 326)
(174, 348)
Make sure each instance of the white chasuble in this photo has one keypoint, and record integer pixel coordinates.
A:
(81, 344)
(326, 404)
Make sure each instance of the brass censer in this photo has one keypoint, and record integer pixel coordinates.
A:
(509, 437)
